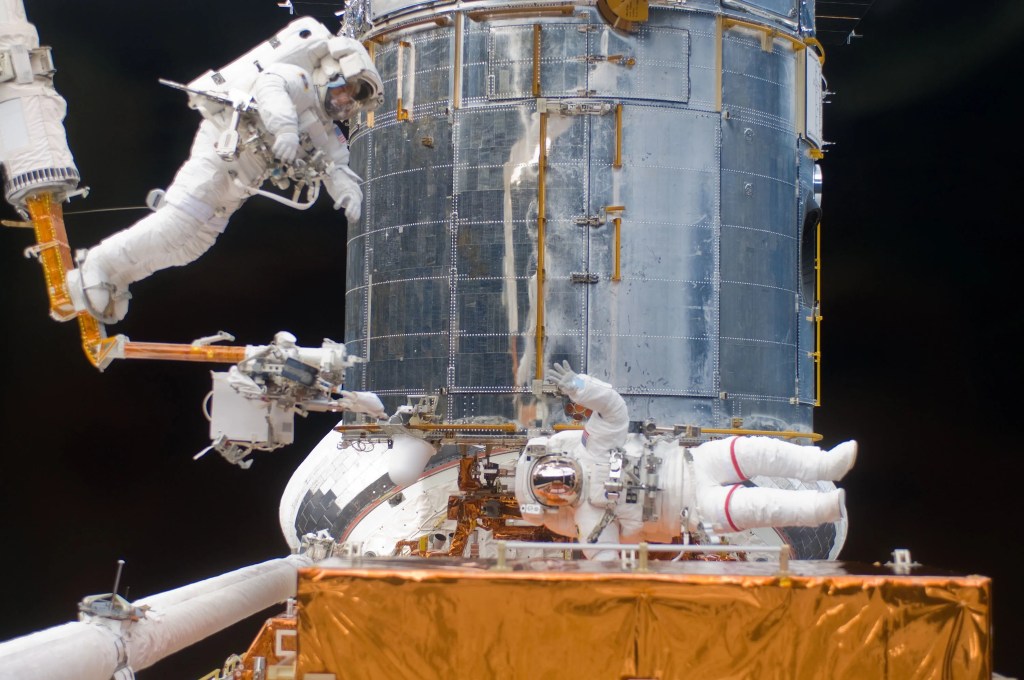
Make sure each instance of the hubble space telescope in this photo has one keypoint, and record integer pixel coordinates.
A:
(631, 188)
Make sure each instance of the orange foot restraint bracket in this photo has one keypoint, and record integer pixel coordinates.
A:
(54, 254)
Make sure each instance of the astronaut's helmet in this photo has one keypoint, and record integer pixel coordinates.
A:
(556, 480)
(344, 98)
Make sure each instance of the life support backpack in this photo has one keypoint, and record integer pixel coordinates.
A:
(304, 42)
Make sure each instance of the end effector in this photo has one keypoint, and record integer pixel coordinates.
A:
(252, 406)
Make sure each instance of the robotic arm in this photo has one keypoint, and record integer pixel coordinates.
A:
(252, 406)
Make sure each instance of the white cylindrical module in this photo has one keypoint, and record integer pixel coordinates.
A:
(34, 150)
(175, 620)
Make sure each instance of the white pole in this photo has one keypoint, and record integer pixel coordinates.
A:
(177, 619)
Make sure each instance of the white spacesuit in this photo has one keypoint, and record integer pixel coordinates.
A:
(592, 484)
(298, 101)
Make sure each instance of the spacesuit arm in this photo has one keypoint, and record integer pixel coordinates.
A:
(275, 105)
(363, 402)
(607, 427)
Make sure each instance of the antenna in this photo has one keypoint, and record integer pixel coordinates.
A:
(117, 578)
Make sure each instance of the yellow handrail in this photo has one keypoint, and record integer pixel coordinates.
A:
(783, 434)
(770, 33)
(510, 428)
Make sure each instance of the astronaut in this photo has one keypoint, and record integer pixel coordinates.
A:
(576, 483)
(298, 100)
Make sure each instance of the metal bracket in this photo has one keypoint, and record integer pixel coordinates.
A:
(582, 221)
(540, 388)
(22, 64)
(688, 431)
(628, 62)
(902, 563)
(614, 485)
(584, 277)
(575, 107)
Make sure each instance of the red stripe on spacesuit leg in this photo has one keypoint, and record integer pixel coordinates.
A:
(735, 463)
(728, 497)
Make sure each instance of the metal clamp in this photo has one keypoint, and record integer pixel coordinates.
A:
(614, 485)
(902, 563)
(577, 107)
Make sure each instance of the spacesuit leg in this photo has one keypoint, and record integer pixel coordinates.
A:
(195, 212)
(169, 237)
(738, 458)
(736, 507)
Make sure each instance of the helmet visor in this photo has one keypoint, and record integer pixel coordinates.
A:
(556, 481)
(343, 98)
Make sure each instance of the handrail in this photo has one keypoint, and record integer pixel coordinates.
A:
(643, 550)
(510, 428)
(542, 161)
(782, 434)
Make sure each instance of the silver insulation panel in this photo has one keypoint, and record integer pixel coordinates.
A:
(711, 319)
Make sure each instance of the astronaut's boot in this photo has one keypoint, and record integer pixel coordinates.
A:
(735, 508)
(93, 291)
(841, 459)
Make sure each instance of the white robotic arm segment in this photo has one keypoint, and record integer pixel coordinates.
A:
(34, 150)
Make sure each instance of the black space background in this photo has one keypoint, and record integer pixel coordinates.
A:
(921, 331)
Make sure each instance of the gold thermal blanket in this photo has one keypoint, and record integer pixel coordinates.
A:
(682, 620)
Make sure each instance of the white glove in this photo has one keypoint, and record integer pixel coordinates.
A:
(347, 195)
(351, 200)
(564, 377)
(286, 146)
(363, 402)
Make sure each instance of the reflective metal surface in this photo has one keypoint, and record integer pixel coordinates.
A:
(556, 481)
(686, 297)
